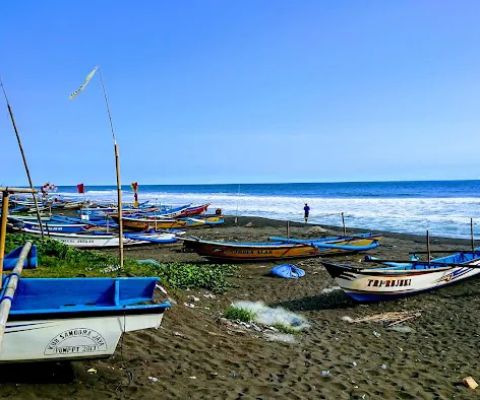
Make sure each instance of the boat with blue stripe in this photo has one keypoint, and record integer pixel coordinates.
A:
(393, 280)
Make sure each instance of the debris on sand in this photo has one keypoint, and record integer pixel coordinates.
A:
(401, 329)
(389, 318)
(278, 317)
(279, 337)
(331, 289)
(470, 382)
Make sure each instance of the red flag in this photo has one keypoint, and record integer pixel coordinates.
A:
(80, 188)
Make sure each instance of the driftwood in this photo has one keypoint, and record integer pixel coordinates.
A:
(391, 318)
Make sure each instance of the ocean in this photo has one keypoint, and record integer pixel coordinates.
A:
(443, 207)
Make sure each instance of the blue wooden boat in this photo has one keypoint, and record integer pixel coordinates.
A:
(10, 260)
(336, 244)
(49, 225)
(74, 318)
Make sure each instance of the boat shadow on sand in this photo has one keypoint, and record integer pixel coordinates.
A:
(335, 299)
(31, 373)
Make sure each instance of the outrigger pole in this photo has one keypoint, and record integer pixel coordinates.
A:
(20, 146)
(117, 169)
(6, 191)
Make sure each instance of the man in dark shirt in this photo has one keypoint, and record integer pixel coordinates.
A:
(307, 211)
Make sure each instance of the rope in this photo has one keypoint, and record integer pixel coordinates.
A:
(128, 372)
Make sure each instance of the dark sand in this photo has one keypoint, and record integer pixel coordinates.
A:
(194, 356)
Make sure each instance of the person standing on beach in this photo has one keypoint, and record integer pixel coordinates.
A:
(306, 210)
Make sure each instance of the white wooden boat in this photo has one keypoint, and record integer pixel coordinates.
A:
(89, 241)
(76, 318)
(400, 279)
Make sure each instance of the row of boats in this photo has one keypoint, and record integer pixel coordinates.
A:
(95, 227)
(372, 280)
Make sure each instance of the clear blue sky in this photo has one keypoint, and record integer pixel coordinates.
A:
(243, 91)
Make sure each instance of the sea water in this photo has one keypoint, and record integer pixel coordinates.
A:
(443, 207)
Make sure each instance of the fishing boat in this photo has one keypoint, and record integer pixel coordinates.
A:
(399, 279)
(203, 221)
(241, 251)
(58, 319)
(92, 240)
(78, 318)
(337, 244)
(194, 210)
(49, 225)
(152, 237)
(146, 224)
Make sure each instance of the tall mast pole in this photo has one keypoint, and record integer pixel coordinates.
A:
(117, 169)
(22, 152)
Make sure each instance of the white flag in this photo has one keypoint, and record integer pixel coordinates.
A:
(84, 84)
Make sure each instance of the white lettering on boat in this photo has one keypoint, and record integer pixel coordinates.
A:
(77, 340)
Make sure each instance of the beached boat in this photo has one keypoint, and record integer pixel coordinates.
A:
(70, 318)
(257, 251)
(49, 225)
(146, 224)
(79, 318)
(400, 279)
(194, 210)
(337, 244)
(94, 240)
(203, 221)
(152, 237)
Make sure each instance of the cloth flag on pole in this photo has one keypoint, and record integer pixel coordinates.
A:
(84, 84)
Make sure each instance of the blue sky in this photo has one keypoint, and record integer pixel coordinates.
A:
(243, 91)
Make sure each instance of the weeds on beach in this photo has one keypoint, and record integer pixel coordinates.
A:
(239, 314)
(57, 260)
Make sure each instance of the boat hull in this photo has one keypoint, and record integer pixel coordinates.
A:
(89, 241)
(145, 224)
(70, 338)
(371, 285)
(231, 252)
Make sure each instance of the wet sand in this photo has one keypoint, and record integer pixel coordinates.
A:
(195, 356)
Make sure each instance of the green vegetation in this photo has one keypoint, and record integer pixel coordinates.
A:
(59, 260)
(239, 314)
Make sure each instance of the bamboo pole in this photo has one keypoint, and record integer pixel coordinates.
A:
(3, 230)
(471, 236)
(343, 224)
(428, 247)
(288, 229)
(6, 301)
(117, 169)
(16, 190)
(120, 211)
(24, 159)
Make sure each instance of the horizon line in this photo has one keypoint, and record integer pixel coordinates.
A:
(266, 183)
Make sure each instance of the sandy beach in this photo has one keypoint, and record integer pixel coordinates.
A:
(197, 355)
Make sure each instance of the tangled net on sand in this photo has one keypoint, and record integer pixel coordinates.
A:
(391, 318)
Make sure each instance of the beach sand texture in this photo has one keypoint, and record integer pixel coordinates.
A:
(194, 355)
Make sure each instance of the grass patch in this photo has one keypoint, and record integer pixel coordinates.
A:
(58, 260)
(239, 314)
